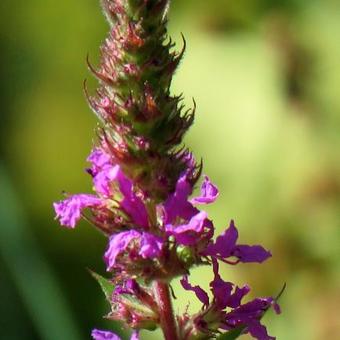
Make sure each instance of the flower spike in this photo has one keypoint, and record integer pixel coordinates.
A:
(143, 179)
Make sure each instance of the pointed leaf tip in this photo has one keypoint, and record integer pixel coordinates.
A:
(105, 284)
(231, 335)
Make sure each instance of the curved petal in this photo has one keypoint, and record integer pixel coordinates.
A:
(131, 203)
(151, 245)
(258, 331)
(200, 293)
(148, 246)
(177, 203)
(69, 210)
(224, 244)
(236, 298)
(135, 335)
(98, 334)
(209, 193)
(135, 208)
(188, 234)
(99, 159)
(104, 178)
(221, 290)
(251, 253)
(117, 244)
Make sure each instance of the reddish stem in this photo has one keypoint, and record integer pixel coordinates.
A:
(166, 314)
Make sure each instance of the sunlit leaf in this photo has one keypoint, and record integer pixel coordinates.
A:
(105, 284)
(231, 335)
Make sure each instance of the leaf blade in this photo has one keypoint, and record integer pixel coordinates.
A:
(233, 334)
(106, 285)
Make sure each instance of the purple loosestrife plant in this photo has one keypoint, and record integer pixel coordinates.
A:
(143, 180)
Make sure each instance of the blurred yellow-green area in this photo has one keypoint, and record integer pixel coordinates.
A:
(266, 78)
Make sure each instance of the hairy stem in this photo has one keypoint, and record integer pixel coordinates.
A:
(167, 320)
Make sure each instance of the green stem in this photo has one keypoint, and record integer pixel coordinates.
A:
(166, 314)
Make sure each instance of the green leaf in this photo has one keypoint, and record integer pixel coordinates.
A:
(231, 335)
(105, 284)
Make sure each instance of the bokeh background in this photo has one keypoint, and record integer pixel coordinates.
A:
(266, 78)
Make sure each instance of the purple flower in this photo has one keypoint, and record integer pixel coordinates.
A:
(226, 294)
(104, 335)
(133, 205)
(143, 182)
(151, 246)
(200, 293)
(258, 331)
(135, 208)
(177, 204)
(104, 179)
(181, 218)
(69, 210)
(130, 286)
(107, 335)
(225, 246)
(222, 291)
(250, 315)
(209, 193)
(148, 246)
(118, 244)
(223, 295)
(188, 234)
(99, 159)
(135, 335)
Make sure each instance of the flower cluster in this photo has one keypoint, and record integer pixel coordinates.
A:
(143, 191)
(244, 317)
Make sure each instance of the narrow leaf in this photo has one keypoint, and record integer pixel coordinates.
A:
(105, 284)
(231, 335)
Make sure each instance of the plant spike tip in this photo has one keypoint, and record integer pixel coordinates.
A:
(143, 179)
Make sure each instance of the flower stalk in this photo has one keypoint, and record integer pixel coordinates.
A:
(143, 179)
(167, 320)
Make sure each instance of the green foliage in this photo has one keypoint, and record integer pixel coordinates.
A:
(106, 285)
(231, 335)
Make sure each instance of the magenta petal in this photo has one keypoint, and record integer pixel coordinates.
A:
(177, 203)
(188, 234)
(249, 315)
(125, 184)
(252, 309)
(117, 244)
(225, 243)
(200, 293)
(258, 331)
(236, 298)
(135, 208)
(151, 246)
(251, 253)
(69, 210)
(99, 159)
(131, 203)
(135, 335)
(103, 180)
(130, 286)
(221, 290)
(225, 246)
(104, 335)
(209, 193)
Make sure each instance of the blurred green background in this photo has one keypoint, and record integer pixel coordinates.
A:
(266, 77)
